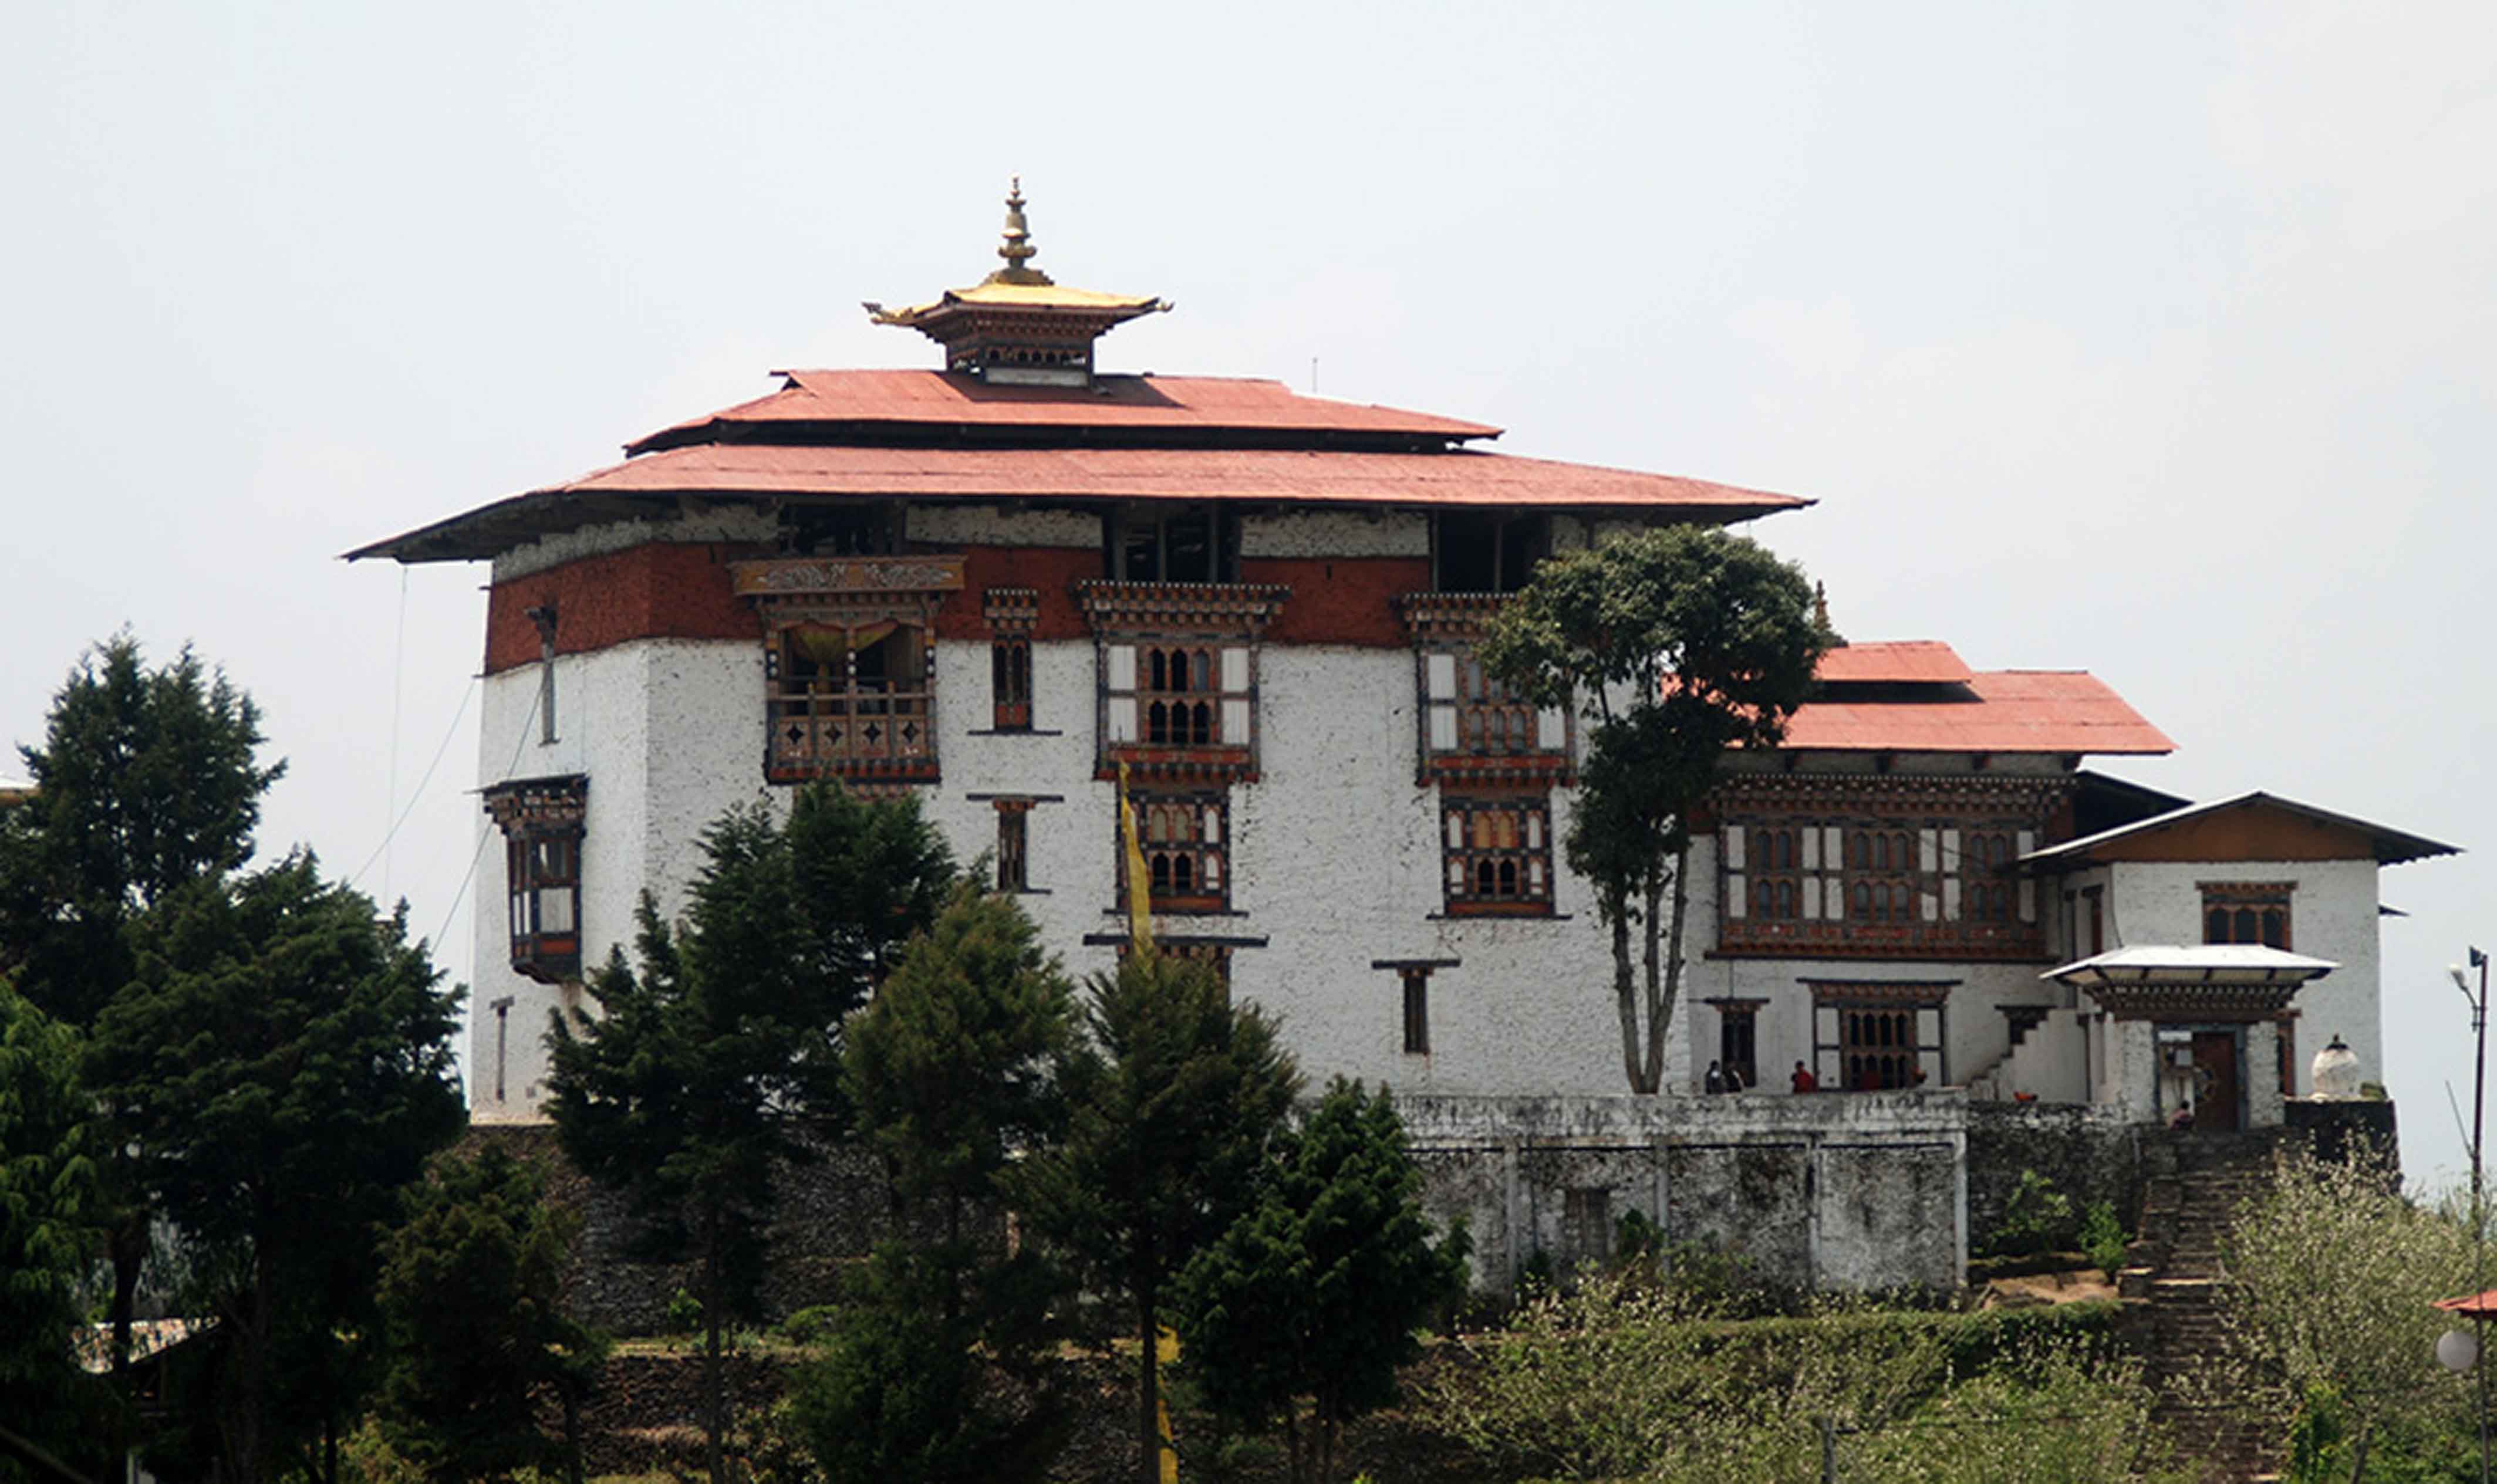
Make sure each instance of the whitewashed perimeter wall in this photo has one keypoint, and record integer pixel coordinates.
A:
(2332, 915)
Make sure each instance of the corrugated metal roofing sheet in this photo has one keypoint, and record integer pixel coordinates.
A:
(1453, 478)
(1894, 660)
(952, 398)
(2007, 711)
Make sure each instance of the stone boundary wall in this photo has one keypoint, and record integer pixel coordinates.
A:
(1854, 1190)
(2089, 1152)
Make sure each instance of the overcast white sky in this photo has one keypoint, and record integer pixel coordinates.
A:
(2145, 338)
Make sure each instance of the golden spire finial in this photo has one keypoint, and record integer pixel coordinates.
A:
(1017, 249)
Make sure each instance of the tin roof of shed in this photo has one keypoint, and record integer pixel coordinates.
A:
(2001, 710)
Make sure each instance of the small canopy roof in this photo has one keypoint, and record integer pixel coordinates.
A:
(1894, 661)
(2391, 846)
(2192, 963)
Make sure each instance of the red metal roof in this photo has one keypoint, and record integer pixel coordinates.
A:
(1459, 477)
(1896, 660)
(954, 399)
(2004, 710)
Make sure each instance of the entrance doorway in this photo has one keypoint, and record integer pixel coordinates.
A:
(2215, 1081)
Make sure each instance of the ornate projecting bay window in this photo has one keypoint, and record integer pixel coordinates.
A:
(1879, 866)
(849, 664)
(1178, 676)
(1875, 1036)
(541, 820)
(1497, 854)
(1472, 728)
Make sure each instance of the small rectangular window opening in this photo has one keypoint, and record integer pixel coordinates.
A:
(1417, 1012)
(1010, 684)
(1014, 870)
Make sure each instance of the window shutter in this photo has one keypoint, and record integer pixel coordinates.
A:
(1953, 860)
(1235, 670)
(1733, 837)
(1737, 900)
(1439, 671)
(1235, 723)
(1830, 846)
(1123, 666)
(1119, 685)
(1928, 855)
(1837, 899)
(1550, 729)
(1950, 898)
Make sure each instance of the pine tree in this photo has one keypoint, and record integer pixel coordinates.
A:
(1173, 1099)
(283, 1061)
(1315, 1292)
(471, 1296)
(147, 780)
(951, 1070)
(718, 1061)
(48, 1188)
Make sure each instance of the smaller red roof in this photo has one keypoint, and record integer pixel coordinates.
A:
(2003, 711)
(1897, 660)
(953, 400)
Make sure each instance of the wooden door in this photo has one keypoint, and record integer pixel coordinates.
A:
(2215, 1066)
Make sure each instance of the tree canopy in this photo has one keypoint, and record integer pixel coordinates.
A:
(718, 1059)
(1679, 643)
(1316, 1291)
(282, 1061)
(48, 1191)
(1173, 1097)
(471, 1295)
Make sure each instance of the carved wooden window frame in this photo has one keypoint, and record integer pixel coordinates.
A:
(1496, 853)
(543, 823)
(844, 727)
(1212, 632)
(2260, 913)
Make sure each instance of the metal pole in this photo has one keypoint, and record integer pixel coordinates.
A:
(2479, 1217)
(1828, 1450)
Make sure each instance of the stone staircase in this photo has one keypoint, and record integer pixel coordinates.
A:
(2171, 1280)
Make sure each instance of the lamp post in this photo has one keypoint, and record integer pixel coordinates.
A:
(2479, 1222)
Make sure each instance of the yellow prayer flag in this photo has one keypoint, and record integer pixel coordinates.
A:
(1140, 905)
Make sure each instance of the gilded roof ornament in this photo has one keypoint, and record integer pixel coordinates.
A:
(1017, 249)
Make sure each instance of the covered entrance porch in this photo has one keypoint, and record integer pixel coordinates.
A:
(2189, 1036)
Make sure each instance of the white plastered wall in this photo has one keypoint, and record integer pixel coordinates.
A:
(2332, 915)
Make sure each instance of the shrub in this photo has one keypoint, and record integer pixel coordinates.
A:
(2036, 1217)
(2102, 1238)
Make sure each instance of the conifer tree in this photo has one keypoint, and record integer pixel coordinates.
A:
(1314, 1294)
(471, 1295)
(718, 1061)
(1174, 1096)
(47, 1184)
(282, 1061)
(147, 780)
(951, 1070)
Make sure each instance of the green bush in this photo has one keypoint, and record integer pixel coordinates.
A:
(1628, 1378)
(2036, 1217)
(2102, 1238)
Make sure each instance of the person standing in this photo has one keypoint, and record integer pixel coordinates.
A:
(1804, 1081)
(1716, 1079)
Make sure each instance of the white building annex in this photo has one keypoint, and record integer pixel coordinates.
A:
(993, 584)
